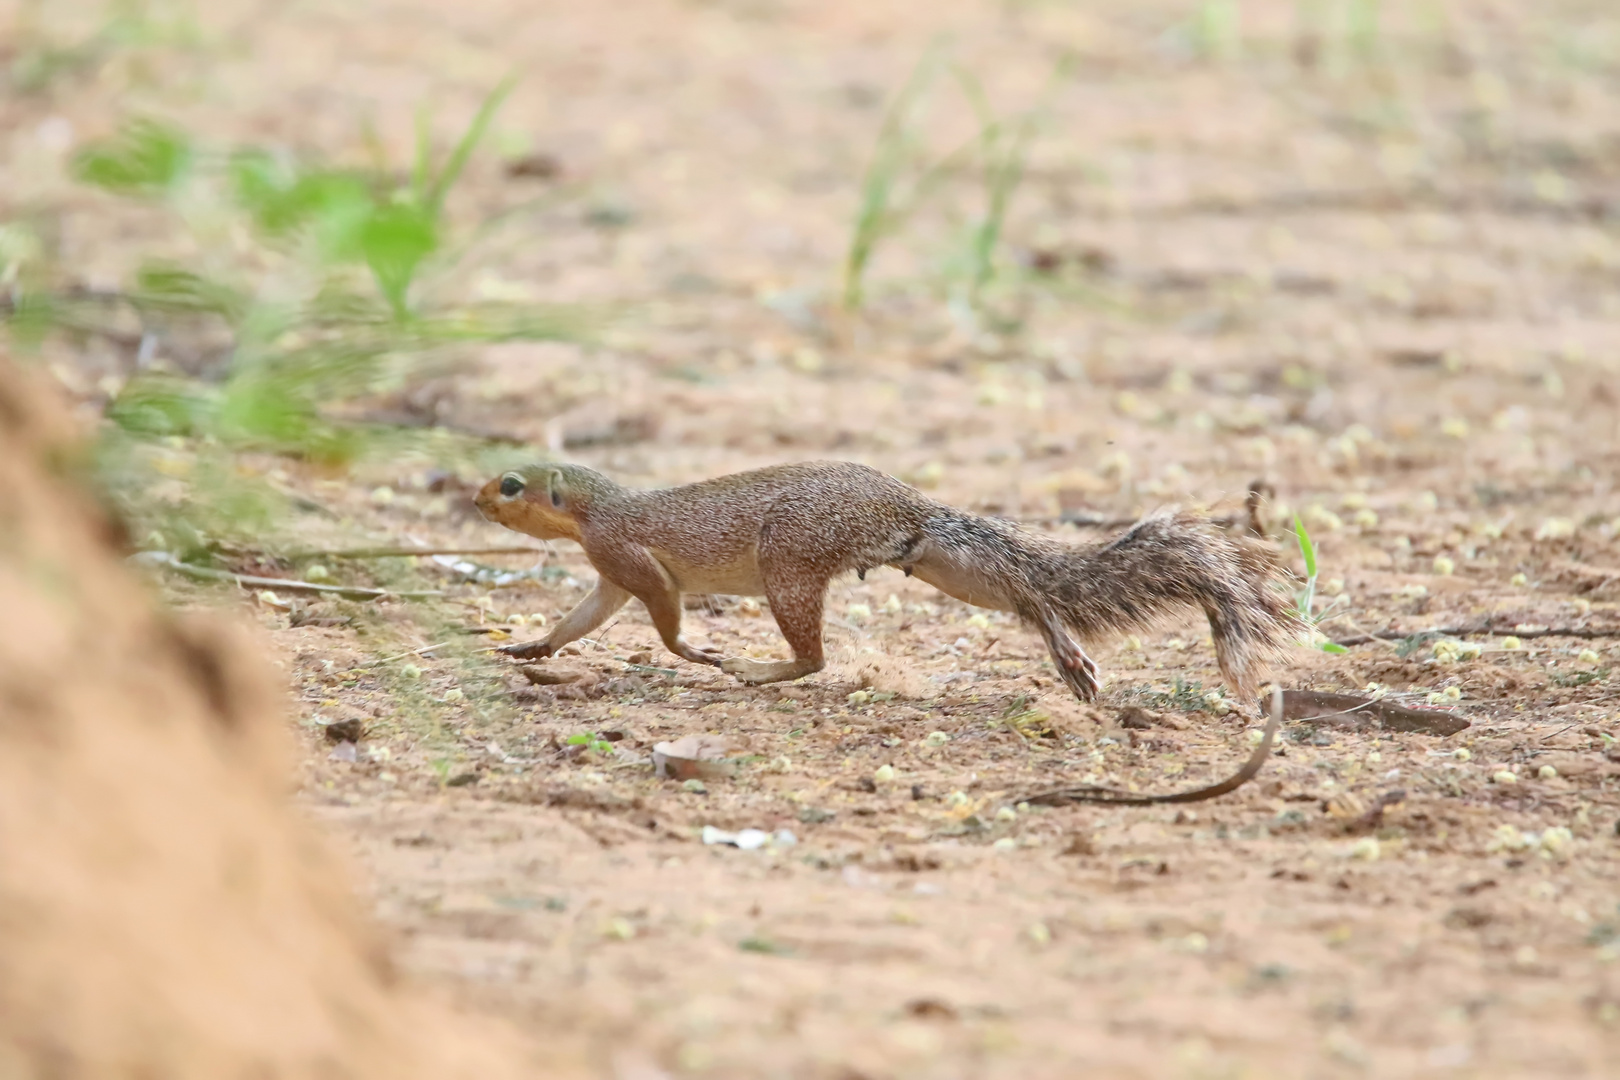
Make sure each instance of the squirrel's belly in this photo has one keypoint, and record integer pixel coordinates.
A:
(739, 577)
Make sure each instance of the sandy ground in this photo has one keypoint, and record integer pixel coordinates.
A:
(1390, 288)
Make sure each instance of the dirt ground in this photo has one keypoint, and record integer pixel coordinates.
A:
(1386, 284)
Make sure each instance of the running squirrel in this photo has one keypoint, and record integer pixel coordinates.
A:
(785, 532)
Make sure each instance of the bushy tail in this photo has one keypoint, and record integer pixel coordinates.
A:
(1164, 562)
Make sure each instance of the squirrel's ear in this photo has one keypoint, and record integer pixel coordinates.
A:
(554, 488)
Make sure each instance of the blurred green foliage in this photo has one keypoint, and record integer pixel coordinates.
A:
(323, 305)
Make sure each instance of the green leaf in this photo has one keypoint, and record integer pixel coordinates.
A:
(394, 241)
(332, 205)
(156, 405)
(166, 287)
(469, 141)
(1332, 647)
(145, 158)
(1306, 548)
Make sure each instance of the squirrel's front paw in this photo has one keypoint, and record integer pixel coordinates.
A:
(530, 650)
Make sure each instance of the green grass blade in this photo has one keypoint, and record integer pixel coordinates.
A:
(1306, 548)
(469, 141)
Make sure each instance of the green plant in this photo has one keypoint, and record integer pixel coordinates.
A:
(267, 347)
(899, 178)
(1305, 599)
(591, 741)
(1003, 150)
(882, 208)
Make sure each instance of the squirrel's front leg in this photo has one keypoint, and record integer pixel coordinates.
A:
(587, 615)
(1078, 670)
(636, 569)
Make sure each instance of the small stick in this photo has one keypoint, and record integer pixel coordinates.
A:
(1492, 631)
(1094, 793)
(391, 659)
(403, 552)
(170, 562)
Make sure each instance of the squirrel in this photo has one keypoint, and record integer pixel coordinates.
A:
(786, 531)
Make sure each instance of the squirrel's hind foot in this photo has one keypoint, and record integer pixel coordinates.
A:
(1079, 671)
(755, 672)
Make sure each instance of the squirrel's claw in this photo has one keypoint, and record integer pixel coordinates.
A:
(699, 654)
(529, 650)
(1080, 672)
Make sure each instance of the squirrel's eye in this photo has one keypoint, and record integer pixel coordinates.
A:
(511, 486)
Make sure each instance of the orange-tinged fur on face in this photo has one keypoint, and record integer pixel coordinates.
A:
(531, 511)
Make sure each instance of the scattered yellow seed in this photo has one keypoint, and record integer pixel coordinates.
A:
(1444, 565)
(1006, 843)
(748, 606)
(317, 573)
(1507, 838)
(1132, 643)
(936, 738)
(1557, 842)
(1547, 772)
(885, 774)
(1367, 519)
(1426, 501)
(1374, 757)
(1322, 519)
(1452, 693)
(858, 612)
(1454, 427)
(517, 620)
(1587, 656)
(382, 496)
(1510, 643)
(1366, 849)
(1504, 776)
(1518, 580)
(891, 606)
(1333, 586)
(859, 698)
(536, 619)
(1039, 933)
(454, 694)
(1555, 529)
(1462, 753)
(410, 671)
(979, 622)
(618, 928)
(1006, 813)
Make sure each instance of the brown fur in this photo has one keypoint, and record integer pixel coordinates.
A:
(785, 532)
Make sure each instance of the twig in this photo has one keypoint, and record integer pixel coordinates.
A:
(1492, 631)
(1093, 793)
(391, 659)
(403, 552)
(169, 562)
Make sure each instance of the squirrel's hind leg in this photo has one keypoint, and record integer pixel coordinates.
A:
(1078, 670)
(796, 600)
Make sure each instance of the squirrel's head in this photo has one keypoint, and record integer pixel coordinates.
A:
(538, 500)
